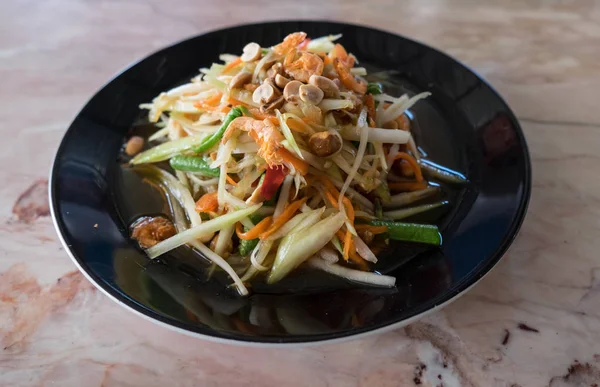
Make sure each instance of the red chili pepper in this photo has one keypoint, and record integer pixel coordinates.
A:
(273, 179)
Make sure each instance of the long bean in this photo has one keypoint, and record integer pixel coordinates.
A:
(211, 141)
(193, 164)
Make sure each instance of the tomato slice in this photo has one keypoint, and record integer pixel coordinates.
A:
(273, 179)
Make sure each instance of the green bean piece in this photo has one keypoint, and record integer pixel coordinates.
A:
(246, 246)
(374, 88)
(211, 141)
(411, 232)
(193, 164)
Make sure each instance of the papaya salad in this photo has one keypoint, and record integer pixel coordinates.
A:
(286, 156)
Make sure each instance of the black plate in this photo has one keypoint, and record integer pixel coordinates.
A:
(465, 125)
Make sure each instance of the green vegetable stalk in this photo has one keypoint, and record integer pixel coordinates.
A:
(374, 88)
(193, 164)
(383, 192)
(246, 246)
(211, 141)
(167, 150)
(411, 232)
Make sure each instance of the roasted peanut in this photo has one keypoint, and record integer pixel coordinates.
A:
(311, 94)
(252, 52)
(134, 145)
(240, 79)
(281, 81)
(264, 93)
(324, 144)
(330, 89)
(291, 92)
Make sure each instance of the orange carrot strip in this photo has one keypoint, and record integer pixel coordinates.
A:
(403, 122)
(230, 180)
(407, 186)
(300, 165)
(375, 230)
(347, 78)
(349, 208)
(340, 53)
(255, 231)
(207, 203)
(329, 185)
(348, 244)
(209, 103)
(286, 215)
(413, 163)
(331, 199)
(354, 257)
(232, 64)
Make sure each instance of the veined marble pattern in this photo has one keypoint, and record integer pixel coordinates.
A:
(533, 321)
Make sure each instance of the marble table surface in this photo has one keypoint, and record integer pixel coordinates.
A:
(533, 321)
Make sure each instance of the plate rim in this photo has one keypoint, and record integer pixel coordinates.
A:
(265, 341)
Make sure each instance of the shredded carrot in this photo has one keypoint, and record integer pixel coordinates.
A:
(230, 180)
(339, 52)
(375, 230)
(329, 185)
(210, 103)
(413, 163)
(349, 208)
(300, 165)
(332, 193)
(255, 231)
(347, 78)
(286, 215)
(225, 109)
(232, 64)
(308, 121)
(348, 244)
(214, 99)
(370, 104)
(331, 199)
(362, 264)
(403, 122)
(207, 203)
(407, 186)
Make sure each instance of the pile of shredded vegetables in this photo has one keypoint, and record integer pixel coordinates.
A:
(286, 155)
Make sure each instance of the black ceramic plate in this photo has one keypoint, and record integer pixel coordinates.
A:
(464, 125)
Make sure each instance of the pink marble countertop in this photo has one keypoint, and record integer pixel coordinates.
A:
(543, 56)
